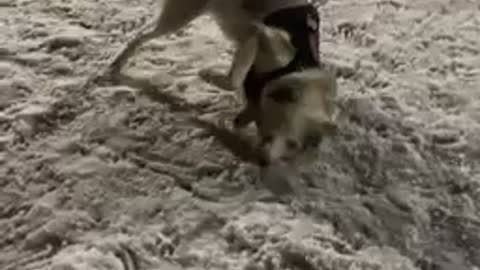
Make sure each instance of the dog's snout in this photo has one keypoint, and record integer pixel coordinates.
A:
(266, 160)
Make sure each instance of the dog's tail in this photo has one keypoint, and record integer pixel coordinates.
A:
(175, 14)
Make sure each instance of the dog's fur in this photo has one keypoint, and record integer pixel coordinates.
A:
(295, 110)
(265, 48)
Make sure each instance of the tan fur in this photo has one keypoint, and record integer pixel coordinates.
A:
(294, 109)
(257, 45)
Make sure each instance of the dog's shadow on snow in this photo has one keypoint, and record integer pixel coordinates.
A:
(238, 145)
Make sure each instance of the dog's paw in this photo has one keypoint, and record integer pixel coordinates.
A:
(216, 78)
(104, 77)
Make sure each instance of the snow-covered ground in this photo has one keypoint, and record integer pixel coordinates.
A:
(123, 177)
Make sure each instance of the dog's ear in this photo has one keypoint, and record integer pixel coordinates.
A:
(285, 90)
(329, 81)
(321, 78)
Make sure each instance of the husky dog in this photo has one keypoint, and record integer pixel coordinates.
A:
(276, 64)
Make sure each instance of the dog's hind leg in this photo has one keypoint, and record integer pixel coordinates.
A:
(242, 61)
(175, 14)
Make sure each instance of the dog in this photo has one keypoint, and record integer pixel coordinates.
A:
(276, 64)
(239, 20)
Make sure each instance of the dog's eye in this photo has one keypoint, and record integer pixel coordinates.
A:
(312, 141)
(291, 144)
(266, 139)
(283, 95)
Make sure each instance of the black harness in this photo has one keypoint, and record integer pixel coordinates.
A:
(302, 23)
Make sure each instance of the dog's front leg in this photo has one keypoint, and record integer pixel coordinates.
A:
(243, 61)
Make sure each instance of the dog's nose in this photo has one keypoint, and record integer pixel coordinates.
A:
(265, 161)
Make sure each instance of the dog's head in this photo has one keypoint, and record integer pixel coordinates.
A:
(296, 112)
